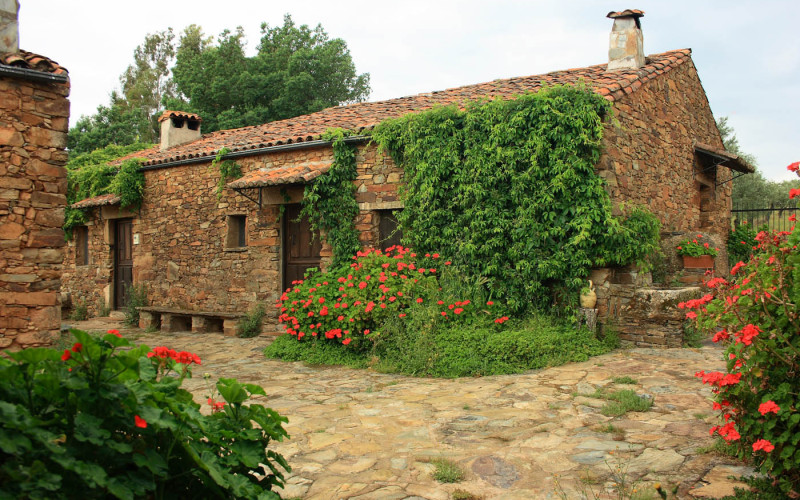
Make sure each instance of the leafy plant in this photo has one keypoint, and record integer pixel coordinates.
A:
(741, 242)
(228, 170)
(250, 325)
(755, 316)
(509, 188)
(136, 297)
(623, 380)
(622, 401)
(106, 419)
(696, 247)
(447, 471)
(330, 203)
(80, 312)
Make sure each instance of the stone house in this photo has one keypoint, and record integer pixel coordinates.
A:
(195, 251)
(34, 116)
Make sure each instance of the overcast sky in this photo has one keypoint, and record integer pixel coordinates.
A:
(747, 53)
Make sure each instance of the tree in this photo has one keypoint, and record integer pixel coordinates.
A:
(297, 71)
(117, 124)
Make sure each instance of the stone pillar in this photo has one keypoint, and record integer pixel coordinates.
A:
(230, 327)
(146, 320)
(9, 26)
(199, 324)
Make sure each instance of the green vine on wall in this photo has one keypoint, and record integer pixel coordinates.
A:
(330, 202)
(509, 188)
(228, 170)
(125, 180)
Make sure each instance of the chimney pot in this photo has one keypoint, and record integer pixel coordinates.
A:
(9, 26)
(626, 45)
(178, 127)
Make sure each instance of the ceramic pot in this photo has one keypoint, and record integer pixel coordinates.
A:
(589, 299)
(702, 262)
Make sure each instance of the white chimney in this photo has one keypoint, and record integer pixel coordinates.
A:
(626, 46)
(9, 26)
(178, 127)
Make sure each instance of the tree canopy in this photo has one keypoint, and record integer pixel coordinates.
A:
(297, 70)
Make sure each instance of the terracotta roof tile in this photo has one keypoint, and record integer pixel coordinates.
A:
(363, 116)
(98, 201)
(29, 60)
(299, 174)
(626, 13)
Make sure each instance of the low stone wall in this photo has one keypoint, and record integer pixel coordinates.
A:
(644, 316)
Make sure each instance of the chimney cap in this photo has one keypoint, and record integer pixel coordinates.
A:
(635, 13)
(166, 115)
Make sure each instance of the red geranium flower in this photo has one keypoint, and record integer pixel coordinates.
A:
(114, 332)
(768, 407)
(139, 421)
(763, 444)
(67, 354)
(77, 347)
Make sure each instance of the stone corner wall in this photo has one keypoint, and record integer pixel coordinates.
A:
(34, 119)
(643, 315)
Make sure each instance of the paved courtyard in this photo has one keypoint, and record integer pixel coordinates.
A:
(363, 435)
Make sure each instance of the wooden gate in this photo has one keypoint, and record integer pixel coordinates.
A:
(301, 247)
(123, 261)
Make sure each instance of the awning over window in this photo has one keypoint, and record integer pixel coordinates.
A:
(98, 201)
(294, 174)
(724, 158)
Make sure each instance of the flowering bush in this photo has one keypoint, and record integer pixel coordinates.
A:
(351, 304)
(696, 247)
(756, 316)
(105, 419)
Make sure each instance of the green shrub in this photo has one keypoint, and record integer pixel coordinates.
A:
(755, 316)
(447, 471)
(136, 297)
(741, 242)
(80, 312)
(250, 325)
(106, 419)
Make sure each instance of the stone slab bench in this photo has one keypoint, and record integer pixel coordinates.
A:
(169, 319)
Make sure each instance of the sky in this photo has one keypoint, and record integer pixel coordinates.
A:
(747, 53)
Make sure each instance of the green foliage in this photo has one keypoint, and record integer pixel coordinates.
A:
(509, 188)
(381, 310)
(89, 175)
(623, 380)
(297, 70)
(621, 402)
(756, 318)
(447, 471)
(107, 419)
(228, 170)
(330, 201)
(118, 124)
(136, 297)
(250, 325)
(740, 243)
(696, 248)
(79, 311)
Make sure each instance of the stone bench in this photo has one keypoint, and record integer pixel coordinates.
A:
(168, 319)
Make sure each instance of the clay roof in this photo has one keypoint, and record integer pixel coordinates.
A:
(166, 115)
(363, 116)
(98, 201)
(280, 176)
(29, 60)
(730, 160)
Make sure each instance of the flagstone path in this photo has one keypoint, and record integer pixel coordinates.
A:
(363, 435)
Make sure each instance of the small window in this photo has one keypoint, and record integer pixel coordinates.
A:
(389, 232)
(81, 246)
(237, 231)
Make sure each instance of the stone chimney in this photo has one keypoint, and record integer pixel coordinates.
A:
(178, 128)
(626, 46)
(9, 26)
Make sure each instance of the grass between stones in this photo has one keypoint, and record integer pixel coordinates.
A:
(447, 471)
(621, 402)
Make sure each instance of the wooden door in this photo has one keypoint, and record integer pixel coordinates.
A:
(301, 248)
(123, 261)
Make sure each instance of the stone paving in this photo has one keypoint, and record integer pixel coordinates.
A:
(363, 435)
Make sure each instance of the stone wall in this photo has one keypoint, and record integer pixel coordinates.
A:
(649, 157)
(33, 124)
(181, 255)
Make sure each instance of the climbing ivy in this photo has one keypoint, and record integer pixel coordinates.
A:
(228, 170)
(124, 180)
(508, 187)
(330, 203)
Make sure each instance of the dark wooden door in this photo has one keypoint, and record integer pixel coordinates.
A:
(301, 248)
(123, 261)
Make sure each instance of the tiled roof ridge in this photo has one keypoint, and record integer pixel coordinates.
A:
(29, 60)
(612, 85)
(98, 201)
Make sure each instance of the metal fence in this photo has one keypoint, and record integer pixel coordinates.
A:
(775, 217)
